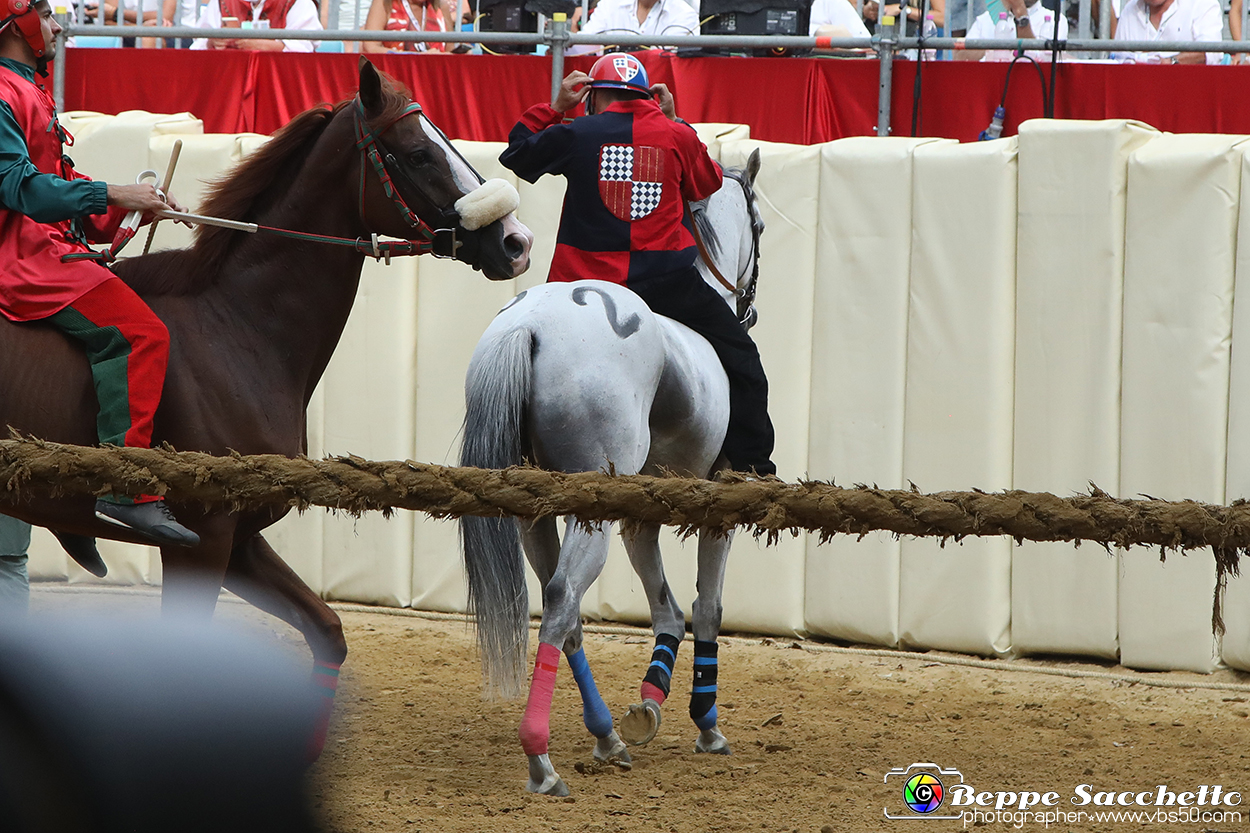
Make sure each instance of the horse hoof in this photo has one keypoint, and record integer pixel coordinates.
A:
(543, 778)
(712, 742)
(611, 750)
(640, 722)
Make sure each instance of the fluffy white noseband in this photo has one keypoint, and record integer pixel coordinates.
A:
(490, 201)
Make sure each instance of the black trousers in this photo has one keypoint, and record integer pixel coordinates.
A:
(684, 296)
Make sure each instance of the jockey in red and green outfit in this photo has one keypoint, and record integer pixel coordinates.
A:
(48, 212)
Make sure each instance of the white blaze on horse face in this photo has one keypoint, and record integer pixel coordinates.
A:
(466, 178)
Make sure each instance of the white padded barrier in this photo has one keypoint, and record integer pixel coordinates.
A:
(1069, 277)
(957, 428)
(1235, 646)
(859, 348)
(1180, 245)
(203, 160)
(763, 585)
(369, 411)
(454, 305)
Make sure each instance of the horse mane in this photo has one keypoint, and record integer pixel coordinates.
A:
(708, 231)
(242, 193)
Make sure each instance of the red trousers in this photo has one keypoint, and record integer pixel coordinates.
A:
(128, 348)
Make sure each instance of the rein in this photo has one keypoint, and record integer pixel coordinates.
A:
(367, 141)
(746, 295)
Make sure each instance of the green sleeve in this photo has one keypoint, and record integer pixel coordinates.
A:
(45, 198)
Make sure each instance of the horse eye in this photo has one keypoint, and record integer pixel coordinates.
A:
(420, 157)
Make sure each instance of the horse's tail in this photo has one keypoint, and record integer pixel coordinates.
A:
(497, 391)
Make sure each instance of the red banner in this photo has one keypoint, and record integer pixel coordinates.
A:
(798, 100)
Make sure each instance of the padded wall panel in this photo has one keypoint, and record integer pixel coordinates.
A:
(957, 429)
(299, 537)
(203, 159)
(763, 585)
(454, 305)
(47, 561)
(1180, 246)
(1235, 646)
(859, 349)
(115, 148)
(369, 412)
(1069, 276)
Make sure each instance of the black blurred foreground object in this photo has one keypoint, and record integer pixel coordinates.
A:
(149, 727)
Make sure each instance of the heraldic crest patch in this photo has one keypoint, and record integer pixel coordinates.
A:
(631, 179)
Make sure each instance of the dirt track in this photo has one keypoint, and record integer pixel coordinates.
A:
(414, 748)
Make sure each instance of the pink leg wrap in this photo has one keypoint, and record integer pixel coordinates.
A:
(326, 680)
(651, 692)
(535, 728)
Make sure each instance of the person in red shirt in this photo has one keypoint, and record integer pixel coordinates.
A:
(631, 165)
(404, 16)
(48, 211)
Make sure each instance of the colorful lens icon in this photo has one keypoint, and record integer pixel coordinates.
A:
(923, 792)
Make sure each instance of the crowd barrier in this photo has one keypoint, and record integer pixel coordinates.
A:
(1035, 312)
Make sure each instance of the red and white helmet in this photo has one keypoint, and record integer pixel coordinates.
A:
(22, 14)
(619, 71)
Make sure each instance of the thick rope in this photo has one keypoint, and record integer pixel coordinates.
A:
(764, 507)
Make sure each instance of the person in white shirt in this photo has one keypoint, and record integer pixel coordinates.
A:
(300, 14)
(1029, 22)
(1175, 20)
(638, 17)
(834, 14)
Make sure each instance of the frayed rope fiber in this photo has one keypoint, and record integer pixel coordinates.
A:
(765, 507)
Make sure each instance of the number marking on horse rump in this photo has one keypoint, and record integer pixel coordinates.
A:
(623, 329)
(513, 302)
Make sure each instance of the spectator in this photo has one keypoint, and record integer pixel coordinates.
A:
(915, 15)
(837, 18)
(1197, 21)
(404, 16)
(639, 17)
(261, 14)
(957, 16)
(179, 13)
(1030, 19)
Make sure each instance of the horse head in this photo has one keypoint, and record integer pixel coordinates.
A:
(730, 225)
(413, 179)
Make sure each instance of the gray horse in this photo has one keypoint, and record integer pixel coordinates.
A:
(582, 376)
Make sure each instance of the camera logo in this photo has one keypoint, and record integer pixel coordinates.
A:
(923, 787)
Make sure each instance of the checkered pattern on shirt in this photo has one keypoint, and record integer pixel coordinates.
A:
(616, 163)
(645, 198)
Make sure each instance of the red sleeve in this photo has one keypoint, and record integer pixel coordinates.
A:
(701, 176)
(540, 117)
(99, 228)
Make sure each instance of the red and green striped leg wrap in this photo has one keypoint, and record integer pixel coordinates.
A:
(659, 677)
(703, 693)
(325, 678)
(535, 730)
(127, 347)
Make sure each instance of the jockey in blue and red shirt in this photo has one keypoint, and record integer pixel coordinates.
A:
(631, 165)
(47, 213)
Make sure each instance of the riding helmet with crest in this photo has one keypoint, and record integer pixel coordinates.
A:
(619, 71)
(22, 14)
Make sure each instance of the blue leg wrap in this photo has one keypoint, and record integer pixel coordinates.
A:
(595, 712)
(703, 694)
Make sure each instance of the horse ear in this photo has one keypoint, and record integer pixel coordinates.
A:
(753, 165)
(370, 87)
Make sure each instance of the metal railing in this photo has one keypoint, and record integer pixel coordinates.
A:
(558, 38)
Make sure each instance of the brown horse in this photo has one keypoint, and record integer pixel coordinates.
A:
(253, 320)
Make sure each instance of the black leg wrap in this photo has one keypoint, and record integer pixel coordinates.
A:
(703, 693)
(660, 672)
